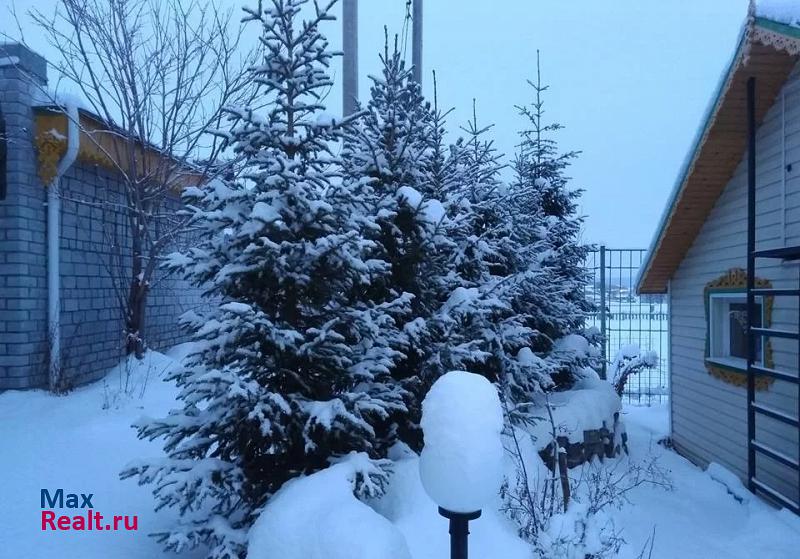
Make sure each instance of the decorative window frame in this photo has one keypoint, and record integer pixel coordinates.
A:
(734, 281)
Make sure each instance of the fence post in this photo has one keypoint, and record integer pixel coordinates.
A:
(603, 308)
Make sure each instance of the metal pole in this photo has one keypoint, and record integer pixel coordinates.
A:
(603, 353)
(350, 58)
(751, 265)
(416, 41)
(459, 531)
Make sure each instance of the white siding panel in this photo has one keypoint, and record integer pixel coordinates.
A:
(709, 417)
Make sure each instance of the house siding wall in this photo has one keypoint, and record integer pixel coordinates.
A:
(708, 416)
(91, 217)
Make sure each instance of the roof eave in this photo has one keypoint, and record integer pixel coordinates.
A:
(708, 117)
(766, 31)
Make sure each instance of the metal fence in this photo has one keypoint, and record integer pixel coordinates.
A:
(625, 318)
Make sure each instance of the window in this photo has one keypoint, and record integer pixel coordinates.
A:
(728, 328)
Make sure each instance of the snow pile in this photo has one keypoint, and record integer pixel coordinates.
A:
(730, 481)
(130, 379)
(590, 403)
(462, 461)
(526, 356)
(48, 97)
(782, 11)
(319, 517)
(408, 506)
(431, 209)
(576, 345)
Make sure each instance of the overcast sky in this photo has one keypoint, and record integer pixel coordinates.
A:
(629, 79)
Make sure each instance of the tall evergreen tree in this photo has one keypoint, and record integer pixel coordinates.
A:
(489, 314)
(547, 214)
(388, 150)
(292, 368)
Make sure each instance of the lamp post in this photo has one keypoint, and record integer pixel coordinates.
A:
(461, 465)
(459, 531)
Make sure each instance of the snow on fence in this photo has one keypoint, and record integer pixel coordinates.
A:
(624, 318)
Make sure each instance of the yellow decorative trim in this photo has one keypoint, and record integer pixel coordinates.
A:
(102, 147)
(736, 377)
(778, 41)
(49, 148)
(734, 279)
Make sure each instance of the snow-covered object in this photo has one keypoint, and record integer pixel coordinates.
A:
(648, 358)
(576, 344)
(318, 517)
(461, 465)
(731, 481)
(782, 11)
(430, 209)
(409, 507)
(526, 357)
(584, 407)
(296, 362)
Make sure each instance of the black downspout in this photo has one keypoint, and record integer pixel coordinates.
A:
(751, 265)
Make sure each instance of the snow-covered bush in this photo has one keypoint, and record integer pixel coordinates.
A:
(630, 360)
(585, 527)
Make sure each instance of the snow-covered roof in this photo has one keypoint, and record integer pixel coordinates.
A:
(47, 97)
(786, 12)
(767, 48)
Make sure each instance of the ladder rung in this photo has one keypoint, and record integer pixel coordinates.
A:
(776, 414)
(777, 375)
(784, 253)
(775, 292)
(776, 495)
(776, 333)
(777, 455)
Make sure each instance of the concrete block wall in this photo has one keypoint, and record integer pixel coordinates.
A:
(92, 223)
(23, 264)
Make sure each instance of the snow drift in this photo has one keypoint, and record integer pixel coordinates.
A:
(319, 517)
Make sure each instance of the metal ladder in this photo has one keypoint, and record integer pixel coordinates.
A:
(754, 409)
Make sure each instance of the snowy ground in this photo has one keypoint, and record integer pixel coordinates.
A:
(80, 442)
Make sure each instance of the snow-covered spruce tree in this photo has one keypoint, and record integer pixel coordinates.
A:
(486, 319)
(292, 369)
(545, 213)
(388, 150)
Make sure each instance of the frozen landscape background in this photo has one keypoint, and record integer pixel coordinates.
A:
(349, 286)
(88, 434)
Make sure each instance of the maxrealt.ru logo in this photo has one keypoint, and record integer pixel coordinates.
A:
(87, 519)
